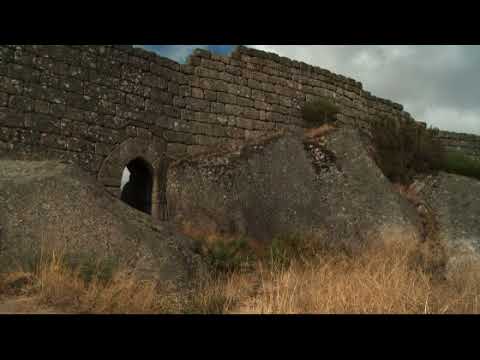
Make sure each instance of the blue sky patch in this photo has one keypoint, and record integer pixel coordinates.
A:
(180, 53)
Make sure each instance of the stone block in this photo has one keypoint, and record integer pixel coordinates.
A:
(220, 85)
(245, 102)
(251, 113)
(176, 150)
(11, 86)
(135, 101)
(211, 64)
(217, 108)
(233, 110)
(161, 96)
(173, 88)
(11, 118)
(197, 93)
(197, 104)
(179, 101)
(41, 106)
(210, 95)
(3, 99)
(20, 103)
(179, 137)
(226, 98)
(79, 145)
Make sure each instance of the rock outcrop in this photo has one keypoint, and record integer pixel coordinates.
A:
(455, 201)
(49, 206)
(326, 186)
(362, 203)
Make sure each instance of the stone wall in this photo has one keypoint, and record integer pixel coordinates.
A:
(102, 106)
(467, 143)
(78, 103)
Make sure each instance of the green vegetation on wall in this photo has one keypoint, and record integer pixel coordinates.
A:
(319, 112)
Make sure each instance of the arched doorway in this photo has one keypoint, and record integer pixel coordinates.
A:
(137, 191)
(139, 156)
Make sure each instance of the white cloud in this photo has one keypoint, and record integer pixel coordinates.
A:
(452, 119)
(178, 53)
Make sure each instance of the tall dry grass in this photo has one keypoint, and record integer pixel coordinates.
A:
(57, 286)
(380, 280)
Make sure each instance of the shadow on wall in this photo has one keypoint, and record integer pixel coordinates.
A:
(137, 192)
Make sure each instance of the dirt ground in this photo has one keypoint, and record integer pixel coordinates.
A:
(23, 305)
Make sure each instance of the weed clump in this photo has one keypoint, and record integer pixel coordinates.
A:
(320, 111)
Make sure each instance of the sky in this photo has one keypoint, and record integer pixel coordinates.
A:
(437, 84)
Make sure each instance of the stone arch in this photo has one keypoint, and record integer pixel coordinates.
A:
(151, 152)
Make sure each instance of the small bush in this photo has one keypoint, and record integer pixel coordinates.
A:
(55, 285)
(319, 112)
(457, 162)
(283, 250)
(89, 266)
(405, 149)
(228, 256)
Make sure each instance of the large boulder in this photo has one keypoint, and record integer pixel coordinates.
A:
(455, 202)
(263, 190)
(362, 203)
(52, 207)
(327, 187)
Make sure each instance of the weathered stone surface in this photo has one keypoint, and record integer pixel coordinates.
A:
(49, 206)
(280, 185)
(362, 203)
(455, 201)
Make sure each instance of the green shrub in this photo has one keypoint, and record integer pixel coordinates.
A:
(224, 257)
(457, 162)
(405, 149)
(290, 247)
(228, 256)
(319, 111)
(90, 267)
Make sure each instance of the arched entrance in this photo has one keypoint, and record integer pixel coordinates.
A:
(146, 162)
(137, 192)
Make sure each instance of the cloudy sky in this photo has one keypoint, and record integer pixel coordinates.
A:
(438, 84)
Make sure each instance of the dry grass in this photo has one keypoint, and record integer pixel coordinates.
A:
(56, 286)
(319, 131)
(381, 280)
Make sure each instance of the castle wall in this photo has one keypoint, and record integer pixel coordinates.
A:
(80, 103)
(466, 143)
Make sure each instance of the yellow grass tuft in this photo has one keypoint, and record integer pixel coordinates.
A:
(385, 279)
(381, 280)
(319, 131)
(62, 288)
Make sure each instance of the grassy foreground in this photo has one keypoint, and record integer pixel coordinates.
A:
(382, 280)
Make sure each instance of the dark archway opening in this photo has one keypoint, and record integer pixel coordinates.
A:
(137, 192)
